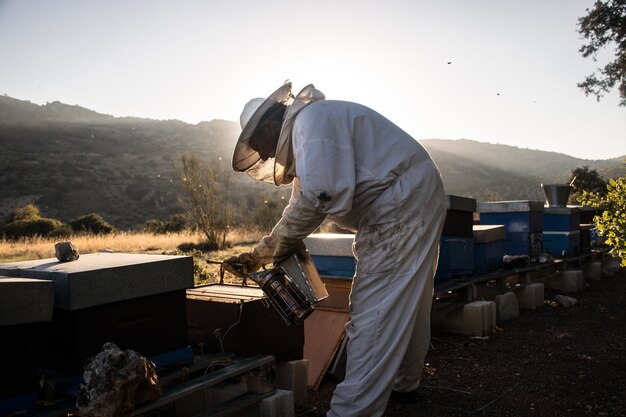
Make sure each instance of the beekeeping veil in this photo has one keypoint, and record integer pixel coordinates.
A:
(280, 169)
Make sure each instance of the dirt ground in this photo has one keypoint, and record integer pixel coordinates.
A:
(551, 361)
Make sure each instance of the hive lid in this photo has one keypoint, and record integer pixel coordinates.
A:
(329, 244)
(455, 202)
(103, 278)
(510, 206)
(562, 210)
(488, 233)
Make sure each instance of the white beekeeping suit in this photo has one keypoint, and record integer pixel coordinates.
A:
(367, 175)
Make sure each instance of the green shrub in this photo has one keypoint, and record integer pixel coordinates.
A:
(91, 223)
(36, 227)
(177, 223)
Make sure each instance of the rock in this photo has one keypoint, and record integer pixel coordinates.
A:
(566, 301)
(66, 251)
(116, 381)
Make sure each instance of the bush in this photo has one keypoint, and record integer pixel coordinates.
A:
(177, 223)
(91, 223)
(37, 227)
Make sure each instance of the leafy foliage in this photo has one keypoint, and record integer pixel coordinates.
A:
(612, 223)
(604, 25)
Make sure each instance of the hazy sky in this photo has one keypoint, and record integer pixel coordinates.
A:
(494, 71)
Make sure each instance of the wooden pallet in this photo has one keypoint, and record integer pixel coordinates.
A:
(214, 385)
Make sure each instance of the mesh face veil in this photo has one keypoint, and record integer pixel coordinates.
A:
(246, 159)
(280, 169)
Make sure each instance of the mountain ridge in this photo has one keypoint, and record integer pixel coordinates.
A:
(69, 161)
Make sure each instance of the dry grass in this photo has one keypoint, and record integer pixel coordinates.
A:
(126, 242)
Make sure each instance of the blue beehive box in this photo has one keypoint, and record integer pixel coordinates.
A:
(561, 219)
(332, 254)
(523, 222)
(456, 257)
(488, 247)
(562, 244)
(561, 230)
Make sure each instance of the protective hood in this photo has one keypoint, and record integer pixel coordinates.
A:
(246, 159)
(280, 169)
(284, 164)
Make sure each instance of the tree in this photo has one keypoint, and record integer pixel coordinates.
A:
(612, 223)
(206, 190)
(586, 180)
(604, 25)
(28, 212)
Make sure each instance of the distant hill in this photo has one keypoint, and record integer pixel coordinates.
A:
(71, 161)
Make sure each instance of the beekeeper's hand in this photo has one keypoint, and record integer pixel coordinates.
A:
(242, 264)
(252, 261)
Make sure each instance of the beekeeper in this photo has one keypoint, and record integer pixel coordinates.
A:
(352, 165)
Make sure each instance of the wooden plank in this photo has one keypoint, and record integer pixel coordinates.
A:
(323, 333)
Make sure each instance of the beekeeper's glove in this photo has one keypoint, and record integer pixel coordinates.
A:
(249, 262)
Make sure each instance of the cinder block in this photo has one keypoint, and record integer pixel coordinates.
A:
(102, 278)
(507, 307)
(531, 296)
(292, 376)
(610, 265)
(329, 244)
(475, 318)
(593, 271)
(278, 405)
(24, 300)
(568, 281)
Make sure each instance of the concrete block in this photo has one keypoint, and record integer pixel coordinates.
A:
(610, 265)
(507, 307)
(24, 300)
(531, 296)
(103, 278)
(278, 405)
(292, 376)
(568, 281)
(475, 318)
(329, 244)
(593, 271)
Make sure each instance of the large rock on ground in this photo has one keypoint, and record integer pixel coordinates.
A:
(116, 381)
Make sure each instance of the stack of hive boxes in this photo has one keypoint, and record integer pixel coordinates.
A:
(561, 231)
(523, 222)
(456, 250)
(488, 247)
(135, 301)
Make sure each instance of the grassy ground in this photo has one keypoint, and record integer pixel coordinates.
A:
(184, 243)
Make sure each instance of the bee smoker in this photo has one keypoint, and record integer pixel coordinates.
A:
(293, 287)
